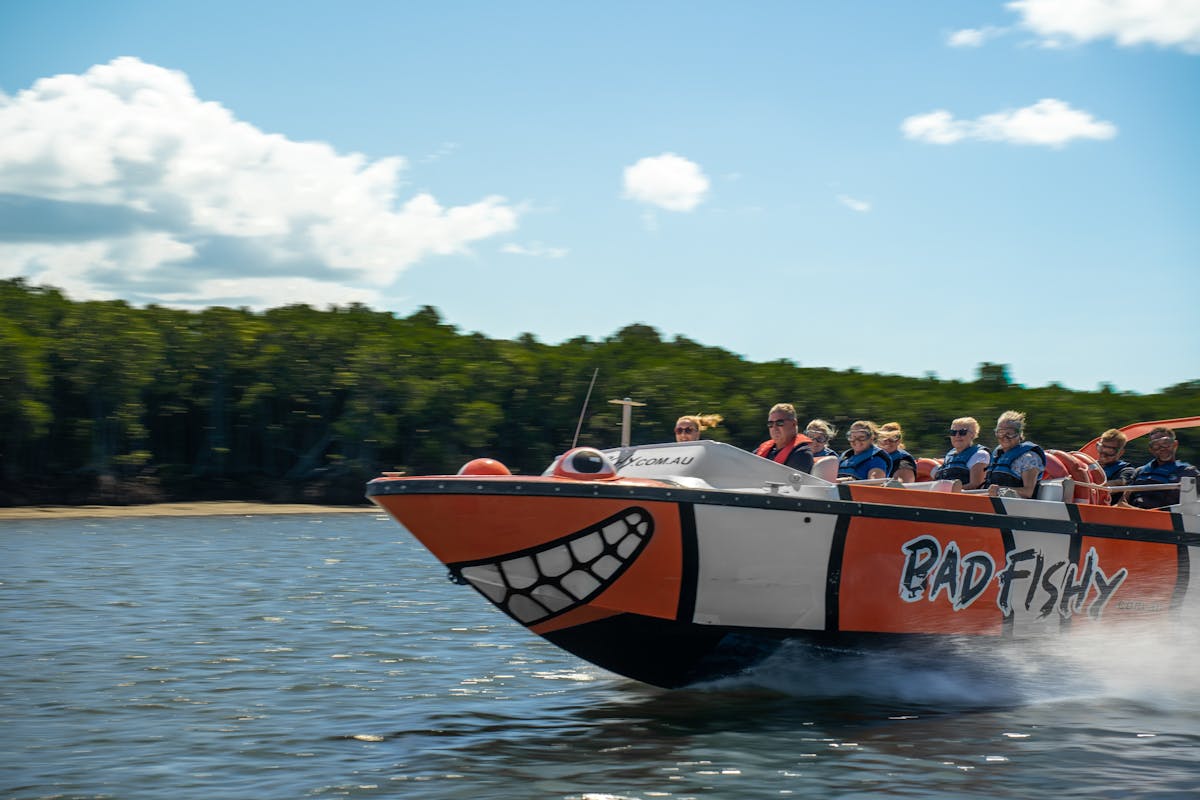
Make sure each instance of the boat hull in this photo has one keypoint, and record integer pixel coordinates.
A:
(672, 586)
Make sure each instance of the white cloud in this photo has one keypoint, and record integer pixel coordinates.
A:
(1048, 122)
(534, 249)
(444, 150)
(974, 37)
(938, 127)
(667, 181)
(246, 291)
(861, 206)
(166, 179)
(1165, 23)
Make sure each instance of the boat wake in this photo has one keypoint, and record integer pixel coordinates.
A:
(1146, 666)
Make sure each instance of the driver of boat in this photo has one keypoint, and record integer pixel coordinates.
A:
(688, 428)
(965, 460)
(1016, 464)
(787, 445)
(864, 460)
(1163, 468)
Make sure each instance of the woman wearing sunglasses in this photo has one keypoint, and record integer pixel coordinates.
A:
(687, 429)
(1016, 464)
(822, 433)
(863, 460)
(965, 461)
(891, 441)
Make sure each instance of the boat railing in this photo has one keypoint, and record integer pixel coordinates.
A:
(1189, 497)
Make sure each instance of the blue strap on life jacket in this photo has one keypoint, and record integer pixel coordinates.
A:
(1001, 473)
(858, 465)
(896, 459)
(954, 465)
(1154, 472)
(1114, 469)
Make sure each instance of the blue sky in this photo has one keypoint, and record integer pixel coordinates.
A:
(896, 187)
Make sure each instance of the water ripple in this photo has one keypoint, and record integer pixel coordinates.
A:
(327, 656)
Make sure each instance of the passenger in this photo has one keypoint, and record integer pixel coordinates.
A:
(863, 460)
(822, 433)
(787, 445)
(891, 441)
(1016, 464)
(1163, 468)
(965, 460)
(1108, 452)
(688, 428)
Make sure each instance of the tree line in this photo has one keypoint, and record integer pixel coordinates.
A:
(104, 401)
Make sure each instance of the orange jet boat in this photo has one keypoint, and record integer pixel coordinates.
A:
(679, 563)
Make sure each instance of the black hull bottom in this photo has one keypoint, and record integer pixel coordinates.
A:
(672, 655)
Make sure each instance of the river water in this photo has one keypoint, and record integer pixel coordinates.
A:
(319, 656)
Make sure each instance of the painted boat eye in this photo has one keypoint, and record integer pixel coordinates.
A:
(585, 463)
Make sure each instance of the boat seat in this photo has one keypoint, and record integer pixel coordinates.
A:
(940, 485)
(825, 468)
(1049, 490)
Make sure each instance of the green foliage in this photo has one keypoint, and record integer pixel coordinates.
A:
(250, 404)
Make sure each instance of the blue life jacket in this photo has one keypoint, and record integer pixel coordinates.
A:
(1000, 472)
(1154, 472)
(899, 459)
(1113, 470)
(859, 466)
(954, 465)
(827, 451)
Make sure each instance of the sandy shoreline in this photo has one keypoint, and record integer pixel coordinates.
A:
(175, 510)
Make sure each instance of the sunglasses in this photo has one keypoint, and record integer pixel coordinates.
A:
(1006, 435)
(816, 436)
(959, 431)
(685, 430)
(1161, 441)
(778, 423)
(862, 438)
(1108, 450)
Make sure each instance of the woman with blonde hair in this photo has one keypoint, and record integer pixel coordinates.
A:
(891, 441)
(965, 461)
(822, 433)
(688, 428)
(1016, 464)
(864, 459)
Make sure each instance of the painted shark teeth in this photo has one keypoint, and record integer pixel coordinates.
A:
(533, 585)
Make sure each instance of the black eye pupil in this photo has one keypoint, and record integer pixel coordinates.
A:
(587, 463)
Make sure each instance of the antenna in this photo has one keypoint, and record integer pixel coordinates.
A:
(626, 417)
(583, 411)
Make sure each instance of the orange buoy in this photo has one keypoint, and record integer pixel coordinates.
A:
(926, 467)
(484, 466)
(1076, 471)
(1055, 468)
(1095, 475)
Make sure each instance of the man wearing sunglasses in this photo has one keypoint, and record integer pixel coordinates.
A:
(1163, 468)
(787, 445)
(1016, 464)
